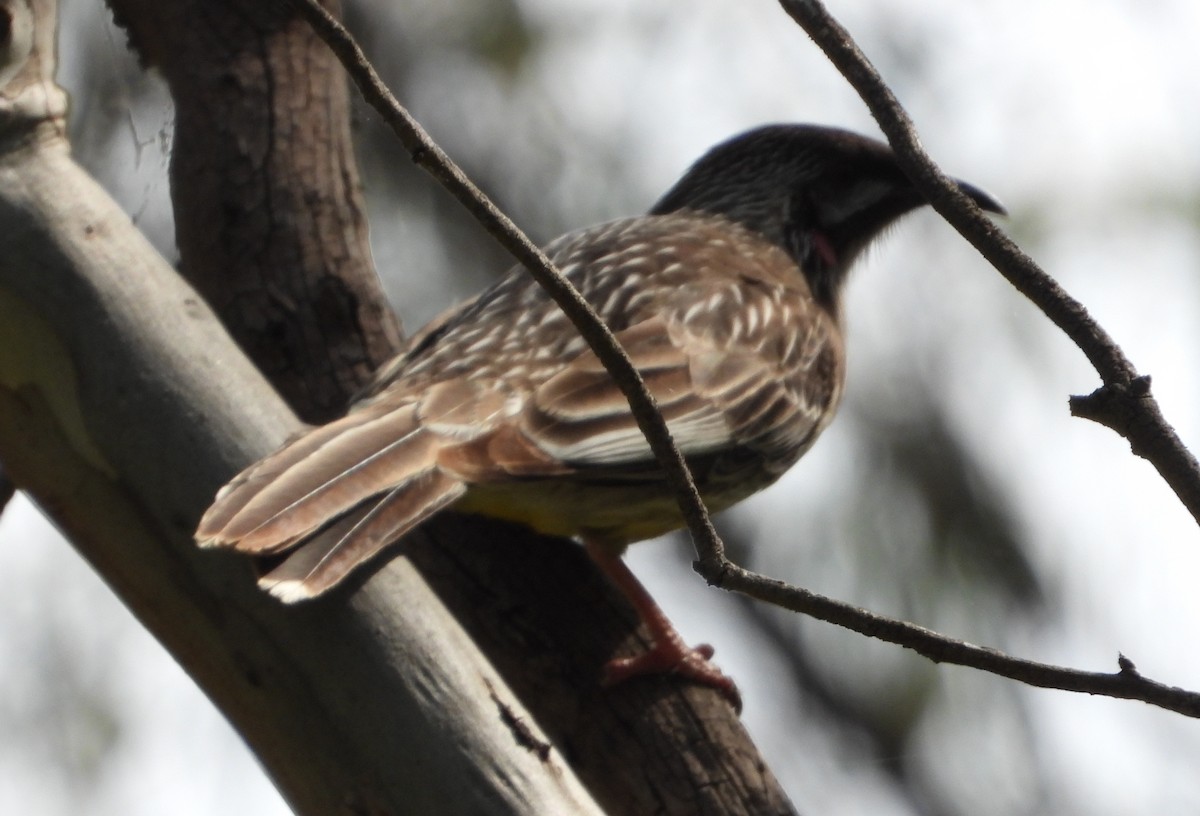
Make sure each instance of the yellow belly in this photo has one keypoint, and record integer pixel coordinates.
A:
(616, 515)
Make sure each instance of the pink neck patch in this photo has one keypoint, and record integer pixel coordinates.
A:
(824, 248)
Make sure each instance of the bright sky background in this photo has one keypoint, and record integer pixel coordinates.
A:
(1083, 117)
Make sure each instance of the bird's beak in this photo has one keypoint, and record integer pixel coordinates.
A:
(986, 201)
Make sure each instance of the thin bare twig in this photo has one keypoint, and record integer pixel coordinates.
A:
(1126, 683)
(1123, 403)
(712, 563)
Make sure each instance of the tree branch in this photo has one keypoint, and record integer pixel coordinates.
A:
(1122, 403)
(1127, 683)
(266, 194)
(123, 404)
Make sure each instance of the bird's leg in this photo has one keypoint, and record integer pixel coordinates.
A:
(668, 654)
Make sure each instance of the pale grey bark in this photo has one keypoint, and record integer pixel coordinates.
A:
(123, 405)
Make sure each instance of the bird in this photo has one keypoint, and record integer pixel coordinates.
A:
(727, 297)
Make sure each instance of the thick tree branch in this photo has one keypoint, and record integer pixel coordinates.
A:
(1121, 404)
(266, 194)
(123, 404)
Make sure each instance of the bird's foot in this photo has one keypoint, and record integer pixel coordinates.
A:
(672, 656)
(668, 654)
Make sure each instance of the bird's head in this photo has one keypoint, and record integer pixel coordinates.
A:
(820, 193)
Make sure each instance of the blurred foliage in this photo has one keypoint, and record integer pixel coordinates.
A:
(926, 534)
(973, 535)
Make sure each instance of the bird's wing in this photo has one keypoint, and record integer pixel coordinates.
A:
(581, 417)
(719, 383)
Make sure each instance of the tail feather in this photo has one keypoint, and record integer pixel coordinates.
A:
(246, 485)
(305, 484)
(322, 562)
(284, 515)
(233, 497)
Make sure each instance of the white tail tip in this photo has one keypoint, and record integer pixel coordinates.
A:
(287, 590)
